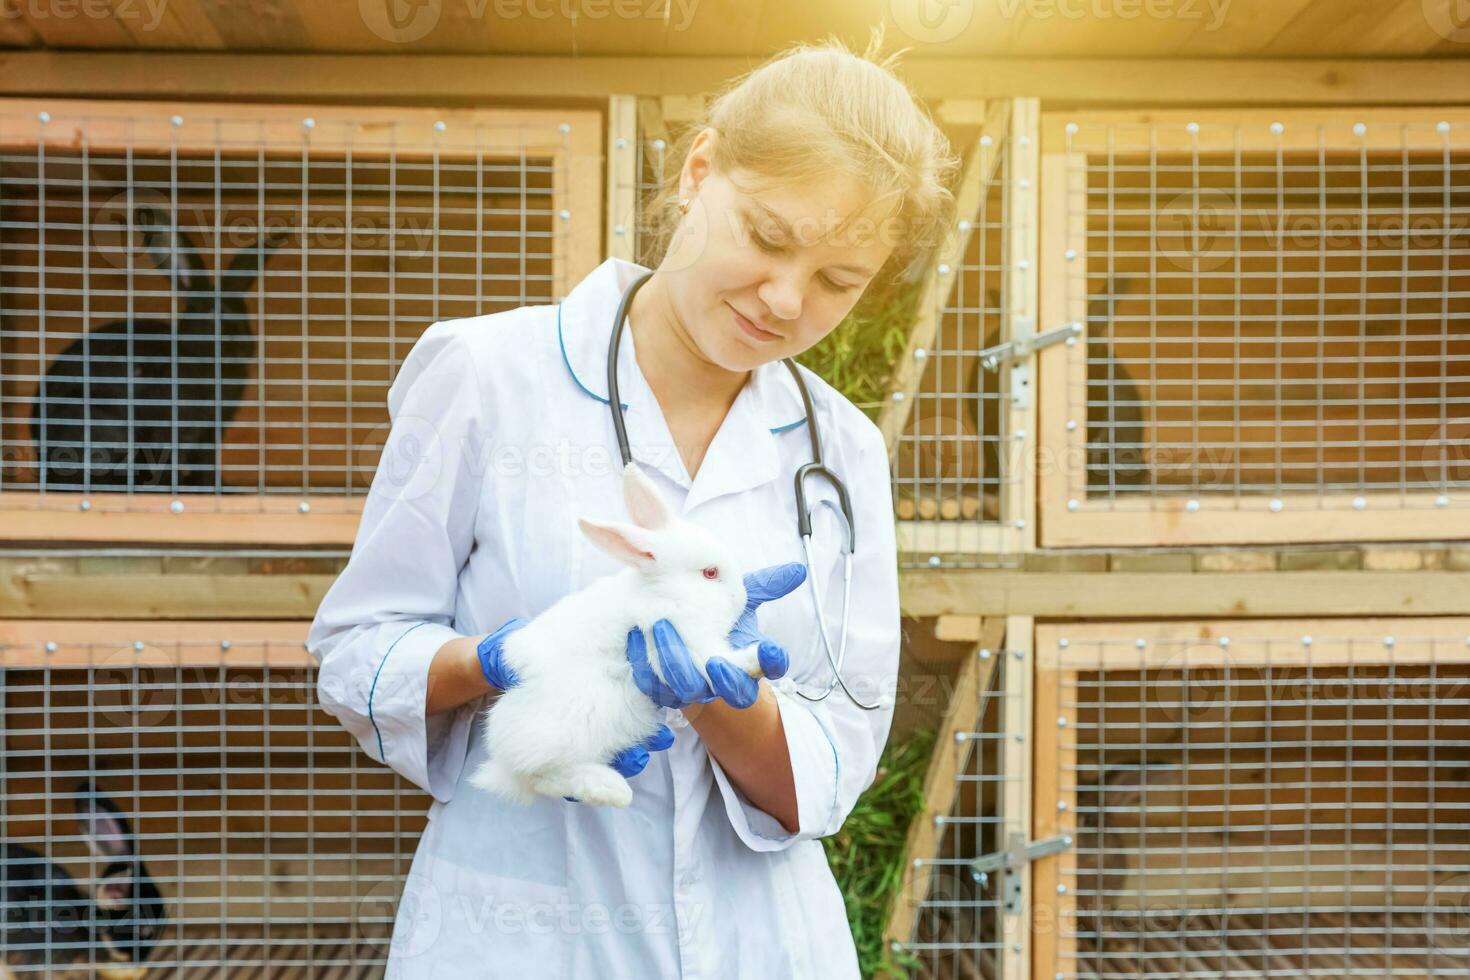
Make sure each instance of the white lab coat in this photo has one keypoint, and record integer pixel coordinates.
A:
(500, 438)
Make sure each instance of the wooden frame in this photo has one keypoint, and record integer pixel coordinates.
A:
(622, 176)
(165, 643)
(1066, 649)
(572, 138)
(1069, 518)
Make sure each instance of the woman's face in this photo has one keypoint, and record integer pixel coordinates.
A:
(755, 277)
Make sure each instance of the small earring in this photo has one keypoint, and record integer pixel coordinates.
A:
(683, 205)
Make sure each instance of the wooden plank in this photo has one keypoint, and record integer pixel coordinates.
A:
(163, 596)
(950, 750)
(226, 519)
(111, 643)
(993, 592)
(622, 176)
(1302, 129)
(204, 126)
(457, 79)
(1053, 919)
(1016, 767)
(1022, 247)
(577, 191)
(1253, 643)
(984, 156)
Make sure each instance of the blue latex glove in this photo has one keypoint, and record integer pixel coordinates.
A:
(685, 685)
(628, 763)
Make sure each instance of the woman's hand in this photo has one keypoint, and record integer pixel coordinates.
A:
(628, 763)
(683, 684)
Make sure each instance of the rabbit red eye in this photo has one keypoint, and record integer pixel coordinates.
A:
(712, 572)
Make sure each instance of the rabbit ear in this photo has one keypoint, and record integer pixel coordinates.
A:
(626, 543)
(103, 825)
(645, 504)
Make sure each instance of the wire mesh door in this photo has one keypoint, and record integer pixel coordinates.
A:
(958, 420)
(1254, 798)
(204, 305)
(1277, 345)
(196, 809)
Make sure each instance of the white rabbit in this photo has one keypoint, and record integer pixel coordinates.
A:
(575, 705)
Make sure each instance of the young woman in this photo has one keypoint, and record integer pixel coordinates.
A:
(814, 178)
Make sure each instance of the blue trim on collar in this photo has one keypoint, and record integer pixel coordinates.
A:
(565, 360)
(561, 342)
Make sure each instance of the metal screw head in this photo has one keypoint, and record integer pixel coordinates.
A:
(1191, 127)
(1224, 641)
(1388, 641)
(1023, 263)
(138, 645)
(1023, 183)
(1140, 643)
(960, 736)
(1020, 524)
(177, 506)
(984, 654)
(304, 507)
(920, 353)
(1441, 501)
(1442, 127)
(621, 142)
(1071, 129)
(564, 214)
(1276, 505)
(1192, 506)
(1070, 255)
(50, 647)
(439, 126)
(898, 396)
(1359, 503)
(177, 120)
(224, 644)
(659, 144)
(939, 820)
(44, 117)
(1277, 128)
(1024, 140)
(1061, 721)
(1019, 654)
(1061, 805)
(944, 268)
(964, 224)
(1061, 889)
(620, 230)
(986, 140)
(85, 505)
(1072, 505)
(308, 123)
(1071, 425)
(1359, 129)
(564, 128)
(935, 561)
(1064, 643)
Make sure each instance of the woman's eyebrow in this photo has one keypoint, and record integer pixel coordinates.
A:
(785, 227)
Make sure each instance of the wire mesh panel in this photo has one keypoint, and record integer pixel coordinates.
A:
(950, 921)
(204, 306)
(1277, 336)
(1256, 798)
(174, 796)
(960, 491)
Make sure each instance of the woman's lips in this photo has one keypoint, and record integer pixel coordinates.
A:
(758, 333)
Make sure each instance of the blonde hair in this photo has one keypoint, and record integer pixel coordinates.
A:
(818, 109)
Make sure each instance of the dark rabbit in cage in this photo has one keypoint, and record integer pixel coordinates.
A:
(51, 926)
(142, 404)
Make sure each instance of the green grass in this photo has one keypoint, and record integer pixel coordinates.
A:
(867, 855)
(857, 358)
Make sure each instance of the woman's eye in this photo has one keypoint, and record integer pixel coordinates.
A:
(835, 286)
(712, 572)
(765, 244)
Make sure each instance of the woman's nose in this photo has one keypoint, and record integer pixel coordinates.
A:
(781, 293)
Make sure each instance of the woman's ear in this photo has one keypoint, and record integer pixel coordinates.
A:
(645, 504)
(628, 544)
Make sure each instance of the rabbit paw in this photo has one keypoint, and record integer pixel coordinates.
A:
(591, 784)
(747, 659)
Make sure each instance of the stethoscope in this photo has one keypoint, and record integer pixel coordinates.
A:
(803, 516)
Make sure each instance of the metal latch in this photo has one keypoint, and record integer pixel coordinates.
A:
(1014, 350)
(1017, 854)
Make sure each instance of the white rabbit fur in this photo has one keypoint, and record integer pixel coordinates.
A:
(575, 704)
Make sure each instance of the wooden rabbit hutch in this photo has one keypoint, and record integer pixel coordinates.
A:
(1178, 433)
